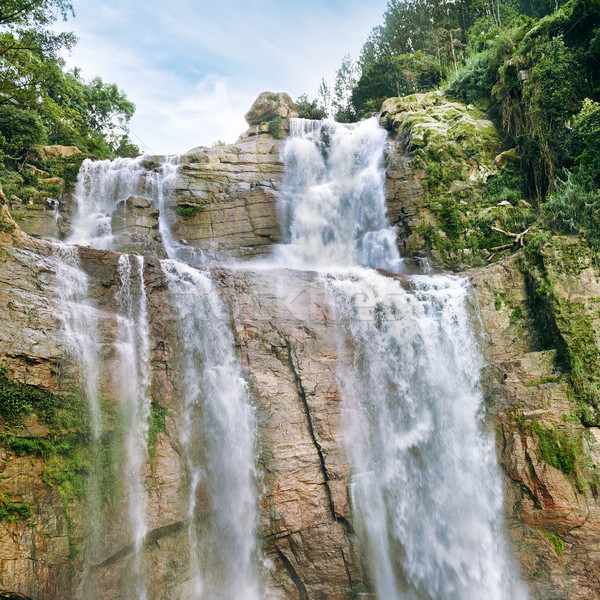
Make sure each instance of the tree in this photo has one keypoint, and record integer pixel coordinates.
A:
(33, 13)
(93, 116)
(310, 109)
(21, 129)
(345, 80)
(394, 76)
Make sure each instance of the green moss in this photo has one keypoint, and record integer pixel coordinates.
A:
(497, 301)
(188, 210)
(6, 226)
(556, 542)
(157, 423)
(516, 315)
(542, 381)
(556, 448)
(18, 400)
(13, 511)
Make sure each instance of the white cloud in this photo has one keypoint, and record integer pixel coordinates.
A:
(212, 110)
(194, 68)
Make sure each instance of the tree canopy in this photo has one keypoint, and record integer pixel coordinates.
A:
(37, 92)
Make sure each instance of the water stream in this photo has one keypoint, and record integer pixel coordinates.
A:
(132, 378)
(218, 442)
(426, 490)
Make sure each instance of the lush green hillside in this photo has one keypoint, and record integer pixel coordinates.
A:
(532, 65)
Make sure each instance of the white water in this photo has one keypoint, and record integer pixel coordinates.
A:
(426, 491)
(426, 488)
(334, 197)
(80, 327)
(218, 443)
(102, 184)
(132, 378)
(82, 345)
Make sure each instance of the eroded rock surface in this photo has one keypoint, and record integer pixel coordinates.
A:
(548, 456)
(282, 324)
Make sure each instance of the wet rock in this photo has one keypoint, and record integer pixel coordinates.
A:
(135, 226)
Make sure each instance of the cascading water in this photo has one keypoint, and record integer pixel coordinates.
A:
(334, 197)
(101, 185)
(132, 378)
(218, 442)
(81, 342)
(426, 490)
(426, 493)
(218, 437)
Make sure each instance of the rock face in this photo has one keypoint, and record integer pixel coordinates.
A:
(135, 223)
(548, 456)
(268, 106)
(281, 322)
(225, 201)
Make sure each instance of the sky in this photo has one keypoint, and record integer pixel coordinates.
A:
(194, 67)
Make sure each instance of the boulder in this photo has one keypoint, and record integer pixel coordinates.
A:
(269, 105)
(57, 151)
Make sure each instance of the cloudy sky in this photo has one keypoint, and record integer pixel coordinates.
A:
(194, 67)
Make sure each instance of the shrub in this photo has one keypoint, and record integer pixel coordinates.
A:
(275, 127)
(576, 207)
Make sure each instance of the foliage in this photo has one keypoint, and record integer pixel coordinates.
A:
(187, 210)
(575, 205)
(310, 109)
(556, 542)
(55, 104)
(13, 511)
(18, 400)
(345, 80)
(6, 226)
(157, 423)
(585, 141)
(556, 448)
(394, 76)
(21, 129)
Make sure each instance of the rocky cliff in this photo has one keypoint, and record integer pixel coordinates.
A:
(538, 310)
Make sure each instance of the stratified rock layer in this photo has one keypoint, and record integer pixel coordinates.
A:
(230, 195)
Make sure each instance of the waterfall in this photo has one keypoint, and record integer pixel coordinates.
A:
(218, 436)
(334, 197)
(82, 345)
(426, 488)
(218, 442)
(132, 378)
(102, 184)
(426, 491)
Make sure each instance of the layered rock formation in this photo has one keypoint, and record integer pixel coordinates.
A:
(225, 200)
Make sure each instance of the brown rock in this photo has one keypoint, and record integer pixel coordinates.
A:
(58, 151)
(269, 105)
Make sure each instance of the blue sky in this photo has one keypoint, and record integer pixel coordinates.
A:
(193, 68)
